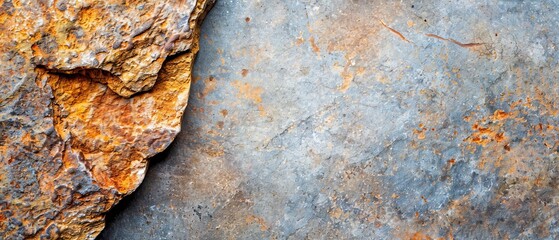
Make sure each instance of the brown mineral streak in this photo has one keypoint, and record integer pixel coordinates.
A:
(464, 45)
(91, 108)
(313, 45)
(401, 36)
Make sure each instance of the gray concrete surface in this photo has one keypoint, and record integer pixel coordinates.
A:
(362, 120)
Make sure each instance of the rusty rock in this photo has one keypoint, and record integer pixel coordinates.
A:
(88, 92)
(363, 119)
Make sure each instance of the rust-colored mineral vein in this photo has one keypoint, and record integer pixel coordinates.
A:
(464, 45)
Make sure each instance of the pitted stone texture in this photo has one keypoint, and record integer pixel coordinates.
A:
(364, 120)
(68, 36)
(71, 144)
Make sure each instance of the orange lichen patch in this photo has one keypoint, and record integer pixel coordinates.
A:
(258, 220)
(248, 92)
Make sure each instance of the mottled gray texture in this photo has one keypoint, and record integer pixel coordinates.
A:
(362, 119)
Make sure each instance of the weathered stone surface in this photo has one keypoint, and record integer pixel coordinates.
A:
(363, 120)
(88, 92)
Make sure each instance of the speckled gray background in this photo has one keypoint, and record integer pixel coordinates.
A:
(362, 119)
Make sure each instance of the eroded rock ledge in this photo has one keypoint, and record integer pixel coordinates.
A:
(90, 89)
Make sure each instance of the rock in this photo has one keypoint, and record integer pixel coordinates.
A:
(363, 119)
(89, 90)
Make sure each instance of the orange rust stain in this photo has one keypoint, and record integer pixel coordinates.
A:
(88, 18)
(410, 23)
(313, 45)
(37, 51)
(485, 135)
(500, 115)
(513, 160)
(214, 149)
(195, 79)
(248, 92)
(247, 19)
(250, 219)
(499, 137)
(336, 213)
(224, 112)
(244, 72)
(210, 84)
(419, 236)
(347, 75)
(420, 132)
(360, 71)
(347, 78)
(261, 110)
(299, 41)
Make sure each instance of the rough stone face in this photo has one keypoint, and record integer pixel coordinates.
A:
(363, 119)
(89, 90)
